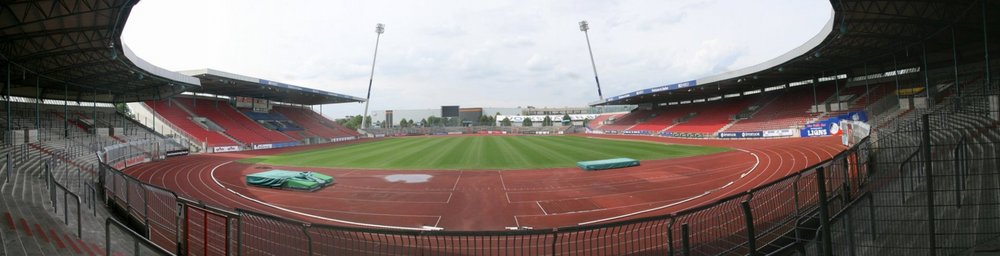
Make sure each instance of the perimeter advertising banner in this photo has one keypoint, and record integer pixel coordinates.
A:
(740, 135)
(638, 132)
(779, 133)
(827, 127)
(225, 149)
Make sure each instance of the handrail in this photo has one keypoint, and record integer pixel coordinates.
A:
(66, 192)
(908, 159)
(137, 238)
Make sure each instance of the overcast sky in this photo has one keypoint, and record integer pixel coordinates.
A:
(470, 53)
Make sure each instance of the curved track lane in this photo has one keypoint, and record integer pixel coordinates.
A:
(494, 199)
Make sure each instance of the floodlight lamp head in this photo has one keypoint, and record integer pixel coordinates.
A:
(380, 28)
(584, 26)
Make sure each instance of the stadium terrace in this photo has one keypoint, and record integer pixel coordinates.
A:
(878, 136)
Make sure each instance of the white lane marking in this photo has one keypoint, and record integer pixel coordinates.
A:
(306, 214)
(682, 201)
(540, 207)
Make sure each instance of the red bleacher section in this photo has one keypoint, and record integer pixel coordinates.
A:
(178, 117)
(235, 123)
(875, 93)
(315, 123)
(790, 108)
(663, 119)
(623, 122)
(713, 117)
(599, 120)
(779, 110)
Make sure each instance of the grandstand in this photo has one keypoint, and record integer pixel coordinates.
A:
(923, 182)
(235, 112)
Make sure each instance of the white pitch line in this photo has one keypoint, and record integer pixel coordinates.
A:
(502, 183)
(540, 207)
(678, 202)
(302, 213)
(456, 181)
(505, 193)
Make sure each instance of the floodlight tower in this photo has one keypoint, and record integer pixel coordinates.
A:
(584, 26)
(379, 29)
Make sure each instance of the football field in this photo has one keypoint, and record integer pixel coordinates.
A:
(480, 152)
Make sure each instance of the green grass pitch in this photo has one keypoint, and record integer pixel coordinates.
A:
(480, 152)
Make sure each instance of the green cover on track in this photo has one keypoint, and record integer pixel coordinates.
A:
(289, 179)
(607, 164)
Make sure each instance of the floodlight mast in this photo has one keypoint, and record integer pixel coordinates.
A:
(584, 26)
(379, 29)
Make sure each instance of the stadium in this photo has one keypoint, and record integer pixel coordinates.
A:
(878, 136)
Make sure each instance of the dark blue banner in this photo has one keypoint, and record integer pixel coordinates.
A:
(854, 116)
(285, 144)
(637, 132)
(827, 127)
(669, 87)
(740, 135)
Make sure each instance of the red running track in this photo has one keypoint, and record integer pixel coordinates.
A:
(495, 199)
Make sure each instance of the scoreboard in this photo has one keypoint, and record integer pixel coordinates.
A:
(449, 111)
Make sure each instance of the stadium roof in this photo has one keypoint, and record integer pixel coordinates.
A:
(228, 84)
(859, 33)
(73, 50)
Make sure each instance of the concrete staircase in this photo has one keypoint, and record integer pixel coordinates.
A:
(32, 225)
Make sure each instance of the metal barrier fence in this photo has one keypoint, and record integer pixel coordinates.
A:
(916, 187)
(936, 191)
(766, 219)
(140, 245)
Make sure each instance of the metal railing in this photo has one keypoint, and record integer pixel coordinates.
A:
(139, 243)
(915, 187)
(764, 219)
(54, 188)
(936, 188)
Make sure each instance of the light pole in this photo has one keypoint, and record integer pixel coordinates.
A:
(379, 29)
(584, 26)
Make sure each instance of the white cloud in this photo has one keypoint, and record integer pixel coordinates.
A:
(490, 53)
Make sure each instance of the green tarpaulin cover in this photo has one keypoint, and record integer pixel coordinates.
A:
(289, 179)
(607, 164)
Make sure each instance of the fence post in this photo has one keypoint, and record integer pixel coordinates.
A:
(849, 227)
(66, 207)
(10, 168)
(239, 234)
(555, 238)
(748, 218)
(204, 233)
(79, 219)
(685, 241)
(956, 155)
(182, 234)
(928, 168)
(824, 214)
(309, 246)
(798, 215)
(670, 237)
(871, 213)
